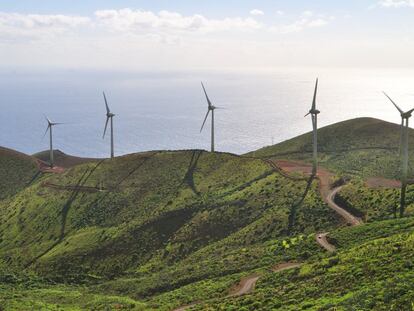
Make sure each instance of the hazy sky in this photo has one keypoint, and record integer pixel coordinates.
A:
(189, 34)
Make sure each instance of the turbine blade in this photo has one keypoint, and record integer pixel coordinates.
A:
(314, 95)
(204, 122)
(307, 114)
(208, 99)
(106, 103)
(396, 106)
(106, 125)
(46, 131)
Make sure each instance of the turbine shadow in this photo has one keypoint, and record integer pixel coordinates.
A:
(189, 175)
(34, 178)
(296, 205)
(65, 210)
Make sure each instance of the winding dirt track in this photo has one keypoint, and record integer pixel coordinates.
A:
(321, 239)
(247, 284)
(330, 200)
(328, 194)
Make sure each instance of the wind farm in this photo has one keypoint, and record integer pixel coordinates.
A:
(236, 156)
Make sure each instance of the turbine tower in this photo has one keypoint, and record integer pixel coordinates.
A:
(49, 128)
(209, 108)
(314, 114)
(109, 116)
(405, 116)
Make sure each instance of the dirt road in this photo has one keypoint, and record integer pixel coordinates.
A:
(247, 284)
(322, 241)
(349, 218)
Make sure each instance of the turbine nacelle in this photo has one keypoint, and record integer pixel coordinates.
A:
(407, 115)
(314, 112)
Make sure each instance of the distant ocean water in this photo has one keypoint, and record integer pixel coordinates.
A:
(164, 110)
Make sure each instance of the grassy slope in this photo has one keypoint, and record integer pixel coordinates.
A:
(61, 159)
(372, 270)
(158, 220)
(16, 171)
(167, 232)
(357, 147)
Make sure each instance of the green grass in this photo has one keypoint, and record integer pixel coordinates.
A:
(174, 227)
(363, 147)
(376, 274)
(373, 204)
(16, 171)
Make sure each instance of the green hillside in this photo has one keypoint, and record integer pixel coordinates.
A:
(160, 230)
(62, 159)
(362, 147)
(16, 171)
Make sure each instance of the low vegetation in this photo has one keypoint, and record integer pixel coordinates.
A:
(159, 230)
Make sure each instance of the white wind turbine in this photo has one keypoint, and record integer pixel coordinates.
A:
(211, 108)
(405, 116)
(109, 116)
(314, 114)
(49, 128)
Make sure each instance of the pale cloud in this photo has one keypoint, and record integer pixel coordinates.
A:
(128, 20)
(168, 27)
(137, 38)
(256, 12)
(307, 20)
(317, 22)
(396, 3)
(14, 26)
(280, 13)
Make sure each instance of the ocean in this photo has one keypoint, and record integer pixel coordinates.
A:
(165, 110)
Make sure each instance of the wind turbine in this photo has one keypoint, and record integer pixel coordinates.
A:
(314, 114)
(405, 116)
(211, 108)
(49, 128)
(109, 116)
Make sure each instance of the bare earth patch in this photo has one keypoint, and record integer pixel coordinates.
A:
(380, 182)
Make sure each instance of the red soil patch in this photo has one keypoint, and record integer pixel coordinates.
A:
(45, 168)
(323, 175)
(380, 182)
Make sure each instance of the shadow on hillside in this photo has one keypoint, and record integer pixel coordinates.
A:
(65, 210)
(189, 175)
(124, 178)
(34, 178)
(136, 168)
(296, 205)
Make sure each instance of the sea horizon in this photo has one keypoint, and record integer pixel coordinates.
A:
(164, 110)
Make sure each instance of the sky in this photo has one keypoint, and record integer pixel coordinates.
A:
(189, 34)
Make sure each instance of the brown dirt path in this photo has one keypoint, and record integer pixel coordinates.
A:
(247, 284)
(323, 242)
(71, 188)
(328, 195)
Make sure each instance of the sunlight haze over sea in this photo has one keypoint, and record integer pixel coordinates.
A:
(164, 110)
